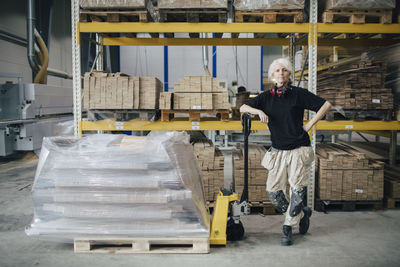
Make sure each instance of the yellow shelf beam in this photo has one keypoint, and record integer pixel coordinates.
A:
(184, 125)
(167, 27)
(358, 28)
(118, 41)
(374, 42)
(195, 41)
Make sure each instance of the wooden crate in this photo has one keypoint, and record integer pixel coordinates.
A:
(163, 245)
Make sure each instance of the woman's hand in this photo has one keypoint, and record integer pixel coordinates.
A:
(306, 128)
(263, 116)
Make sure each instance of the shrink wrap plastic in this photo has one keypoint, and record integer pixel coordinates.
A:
(108, 185)
(360, 4)
(112, 4)
(247, 5)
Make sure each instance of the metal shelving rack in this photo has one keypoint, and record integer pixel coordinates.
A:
(313, 28)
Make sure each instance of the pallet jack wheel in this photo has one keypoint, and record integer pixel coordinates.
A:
(234, 231)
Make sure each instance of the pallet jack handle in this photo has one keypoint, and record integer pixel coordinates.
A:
(246, 126)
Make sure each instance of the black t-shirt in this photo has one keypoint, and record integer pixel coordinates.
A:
(285, 115)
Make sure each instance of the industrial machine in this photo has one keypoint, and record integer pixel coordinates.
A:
(225, 223)
(28, 112)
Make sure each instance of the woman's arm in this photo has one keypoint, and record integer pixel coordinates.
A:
(247, 109)
(320, 114)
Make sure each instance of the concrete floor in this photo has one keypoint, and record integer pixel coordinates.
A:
(365, 238)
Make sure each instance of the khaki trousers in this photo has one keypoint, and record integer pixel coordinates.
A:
(288, 166)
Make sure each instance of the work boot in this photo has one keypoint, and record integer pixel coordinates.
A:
(305, 221)
(286, 239)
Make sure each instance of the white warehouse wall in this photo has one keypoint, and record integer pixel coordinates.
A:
(187, 60)
(13, 58)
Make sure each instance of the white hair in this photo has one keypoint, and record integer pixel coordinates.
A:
(284, 62)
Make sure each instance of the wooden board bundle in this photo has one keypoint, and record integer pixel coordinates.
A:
(257, 173)
(196, 92)
(211, 163)
(356, 86)
(345, 174)
(120, 91)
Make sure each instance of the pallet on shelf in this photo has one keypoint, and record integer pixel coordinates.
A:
(270, 16)
(124, 115)
(114, 16)
(392, 203)
(355, 16)
(195, 115)
(360, 115)
(348, 205)
(162, 245)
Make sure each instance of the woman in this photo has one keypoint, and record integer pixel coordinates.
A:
(290, 155)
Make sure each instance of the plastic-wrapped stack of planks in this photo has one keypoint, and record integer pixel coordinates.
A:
(357, 88)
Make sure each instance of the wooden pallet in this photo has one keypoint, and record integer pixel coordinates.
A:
(357, 16)
(193, 15)
(194, 115)
(360, 115)
(262, 207)
(348, 205)
(176, 245)
(392, 203)
(114, 16)
(270, 16)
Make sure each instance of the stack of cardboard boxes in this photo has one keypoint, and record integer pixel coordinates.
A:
(120, 91)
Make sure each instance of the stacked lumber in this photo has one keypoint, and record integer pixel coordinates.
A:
(196, 92)
(257, 174)
(119, 91)
(356, 86)
(211, 163)
(343, 173)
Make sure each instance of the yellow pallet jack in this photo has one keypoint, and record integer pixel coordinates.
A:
(225, 222)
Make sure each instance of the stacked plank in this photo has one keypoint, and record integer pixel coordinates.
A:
(211, 163)
(119, 91)
(197, 93)
(345, 174)
(257, 174)
(356, 86)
